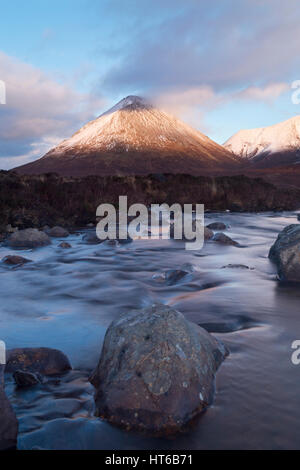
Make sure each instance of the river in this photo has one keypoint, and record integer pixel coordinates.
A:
(66, 299)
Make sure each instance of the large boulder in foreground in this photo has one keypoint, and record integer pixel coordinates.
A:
(44, 361)
(28, 238)
(156, 371)
(8, 420)
(286, 253)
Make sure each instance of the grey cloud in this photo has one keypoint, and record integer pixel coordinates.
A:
(222, 44)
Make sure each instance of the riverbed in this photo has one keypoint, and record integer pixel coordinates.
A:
(66, 299)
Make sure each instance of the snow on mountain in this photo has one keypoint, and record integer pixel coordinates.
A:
(260, 144)
(133, 137)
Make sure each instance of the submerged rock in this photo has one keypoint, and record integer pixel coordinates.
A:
(8, 420)
(58, 232)
(224, 239)
(15, 260)
(236, 266)
(171, 276)
(208, 234)
(44, 361)
(91, 238)
(156, 371)
(65, 245)
(25, 379)
(217, 226)
(28, 238)
(286, 253)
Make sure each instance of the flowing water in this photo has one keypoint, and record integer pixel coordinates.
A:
(66, 299)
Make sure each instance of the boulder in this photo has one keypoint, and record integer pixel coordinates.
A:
(8, 420)
(285, 253)
(156, 371)
(25, 379)
(224, 239)
(58, 232)
(15, 260)
(65, 245)
(37, 360)
(217, 226)
(28, 238)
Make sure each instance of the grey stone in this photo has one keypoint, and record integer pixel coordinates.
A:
(28, 238)
(217, 226)
(285, 253)
(156, 371)
(44, 361)
(15, 260)
(224, 239)
(25, 379)
(58, 232)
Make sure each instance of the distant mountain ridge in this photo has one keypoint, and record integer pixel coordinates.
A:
(268, 147)
(134, 137)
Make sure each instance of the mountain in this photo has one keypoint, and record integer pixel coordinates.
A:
(268, 147)
(134, 137)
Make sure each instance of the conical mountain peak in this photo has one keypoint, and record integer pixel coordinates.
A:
(130, 103)
(133, 137)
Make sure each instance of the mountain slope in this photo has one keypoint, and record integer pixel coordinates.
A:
(268, 147)
(133, 137)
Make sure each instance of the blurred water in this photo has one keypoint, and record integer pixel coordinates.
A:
(66, 299)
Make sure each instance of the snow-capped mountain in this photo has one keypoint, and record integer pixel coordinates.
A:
(268, 146)
(133, 137)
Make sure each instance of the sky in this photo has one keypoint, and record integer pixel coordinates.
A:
(220, 65)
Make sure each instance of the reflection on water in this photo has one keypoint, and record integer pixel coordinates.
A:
(66, 299)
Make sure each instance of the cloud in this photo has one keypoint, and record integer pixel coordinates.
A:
(218, 44)
(39, 111)
(188, 104)
(267, 94)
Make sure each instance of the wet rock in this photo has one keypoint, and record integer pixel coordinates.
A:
(217, 226)
(286, 253)
(208, 234)
(236, 266)
(224, 239)
(25, 379)
(44, 361)
(58, 232)
(8, 420)
(156, 371)
(91, 238)
(28, 238)
(171, 276)
(298, 216)
(65, 245)
(15, 260)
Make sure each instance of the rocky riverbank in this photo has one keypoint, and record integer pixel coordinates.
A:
(38, 201)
